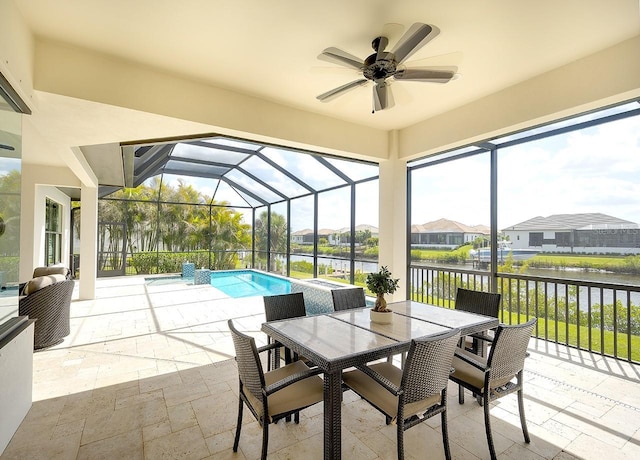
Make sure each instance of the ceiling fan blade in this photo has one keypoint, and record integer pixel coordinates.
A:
(392, 31)
(415, 38)
(337, 56)
(324, 97)
(382, 97)
(432, 75)
(381, 44)
(440, 61)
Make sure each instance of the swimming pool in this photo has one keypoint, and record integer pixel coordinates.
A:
(246, 283)
(234, 283)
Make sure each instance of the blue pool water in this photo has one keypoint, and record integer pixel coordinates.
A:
(235, 283)
(246, 283)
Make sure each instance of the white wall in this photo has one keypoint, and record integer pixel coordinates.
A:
(521, 243)
(16, 382)
(16, 51)
(36, 188)
(568, 90)
(392, 200)
(79, 73)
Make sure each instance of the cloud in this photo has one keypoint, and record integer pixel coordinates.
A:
(592, 170)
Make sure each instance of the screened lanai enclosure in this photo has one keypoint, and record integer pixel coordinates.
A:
(549, 218)
(223, 203)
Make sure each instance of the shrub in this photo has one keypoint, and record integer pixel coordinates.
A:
(9, 269)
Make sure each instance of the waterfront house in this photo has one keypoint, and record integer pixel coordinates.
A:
(587, 233)
(445, 233)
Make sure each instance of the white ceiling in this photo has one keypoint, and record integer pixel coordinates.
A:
(269, 48)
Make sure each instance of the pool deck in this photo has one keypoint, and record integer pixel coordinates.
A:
(148, 372)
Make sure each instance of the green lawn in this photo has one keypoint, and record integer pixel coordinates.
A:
(575, 260)
(546, 330)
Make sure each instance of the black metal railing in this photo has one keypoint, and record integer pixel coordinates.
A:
(599, 317)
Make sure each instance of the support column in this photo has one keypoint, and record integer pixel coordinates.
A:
(88, 242)
(393, 216)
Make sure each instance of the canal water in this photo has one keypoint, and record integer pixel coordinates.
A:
(579, 275)
(575, 274)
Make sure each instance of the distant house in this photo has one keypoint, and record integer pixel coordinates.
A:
(578, 233)
(334, 237)
(302, 236)
(331, 235)
(444, 233)
(342, 234)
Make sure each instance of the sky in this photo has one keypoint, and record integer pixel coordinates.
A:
(334, 210)
(586, 171)
(595, 170)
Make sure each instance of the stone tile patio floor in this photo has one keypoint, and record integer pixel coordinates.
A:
(148, 373)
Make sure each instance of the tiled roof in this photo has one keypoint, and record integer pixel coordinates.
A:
(448, 226)
(359, 228)
(585, 221)
(329, 231)
(305, 231)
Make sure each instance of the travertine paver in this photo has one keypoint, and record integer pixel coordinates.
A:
(148, 372)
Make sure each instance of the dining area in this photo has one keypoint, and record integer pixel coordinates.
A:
(401, 367)
(150, 371)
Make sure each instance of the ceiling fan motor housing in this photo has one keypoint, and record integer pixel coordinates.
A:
(379, 66)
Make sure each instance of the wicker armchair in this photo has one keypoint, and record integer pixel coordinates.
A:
(492, 378)
(50, 307)
(273, 395)
(348, 298)
(410, 396)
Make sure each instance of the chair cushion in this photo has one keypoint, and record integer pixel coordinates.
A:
(296, 396)
(471, 374)
(41, 282)
(376, 394)
(53, 270)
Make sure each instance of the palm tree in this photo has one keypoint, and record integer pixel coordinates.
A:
(278, 241)
(188, 221)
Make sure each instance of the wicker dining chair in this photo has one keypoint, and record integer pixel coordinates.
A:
(278, 307)
(415, 393)
(492, 378)
(273, 395)
(348, 298)
(482, 303)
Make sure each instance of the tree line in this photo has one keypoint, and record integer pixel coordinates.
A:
(177, 219)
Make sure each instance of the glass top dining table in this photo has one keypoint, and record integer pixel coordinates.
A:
(336, 341)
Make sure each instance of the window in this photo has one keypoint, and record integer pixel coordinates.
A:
(53, 233)
(535, 238)
(563, 239)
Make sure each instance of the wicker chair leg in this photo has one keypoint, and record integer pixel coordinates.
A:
(265, 438)
(400, 435)
(523, 420)
(487, 426)
(238, 426)
(445, 435)
(460, 394)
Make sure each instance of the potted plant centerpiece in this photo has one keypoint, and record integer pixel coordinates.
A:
(381, 283)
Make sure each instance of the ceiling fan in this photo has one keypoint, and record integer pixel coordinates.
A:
(382, 65)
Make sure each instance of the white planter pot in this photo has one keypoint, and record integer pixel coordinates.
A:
(380, 317)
